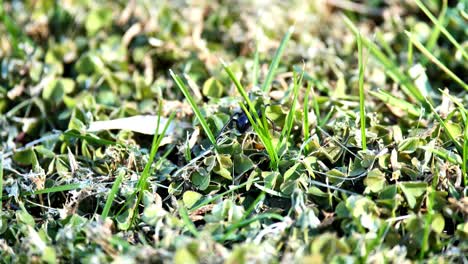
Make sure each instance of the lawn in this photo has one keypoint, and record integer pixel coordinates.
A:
(142, 131)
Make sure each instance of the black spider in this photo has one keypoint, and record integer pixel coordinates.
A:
(241, 122)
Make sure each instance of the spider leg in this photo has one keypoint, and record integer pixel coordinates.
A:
(228, 123)
(271, 123)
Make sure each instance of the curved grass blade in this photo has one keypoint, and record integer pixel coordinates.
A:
(194, 106)
(297, 83)
(436, 31)
(397, 102)
(113, 193)
(441, 28)
(276, 59)
(436, 61)
(259, 127)
(242, 91)
(245, 222)
(61, 188)
(143, 181)
(256, 66)
(1, 181)
(305, 117)
(219, 196)
(362, 109)
(447, 129)
(390, 66)
(465, 154)
(188, 223)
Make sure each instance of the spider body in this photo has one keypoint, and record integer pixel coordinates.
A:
(240, 121)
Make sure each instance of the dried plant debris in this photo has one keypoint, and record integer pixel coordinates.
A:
(233, 131)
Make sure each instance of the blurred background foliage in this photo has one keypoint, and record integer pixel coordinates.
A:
(65, 64)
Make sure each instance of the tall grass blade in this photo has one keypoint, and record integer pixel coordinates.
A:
(464, 113)
(1, 182)
(436, 31)
(305, 117)
(297, 83)
(219, 196)
(242, 91)
(397, 102)
(256, 66)
(142, 182)
(276, 59)
(447, 129)
(194, 106)
(61, 188)
(465, 154)
(442, 28)
(392, 69)
(113, 192)
(362, 110)
(259, 127)
(186, 219)
(439, 64)
(409, 60)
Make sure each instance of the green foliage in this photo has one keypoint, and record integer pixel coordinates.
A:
(344, 143)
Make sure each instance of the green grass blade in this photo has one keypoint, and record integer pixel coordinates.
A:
(444, 154)
(410, 60)
(390, 66)
(297, 83)
(219, 196)
(276, 59)
(1, 181)
(436, 31)
(256, 66)
(465, 154)
(188, 223)
(315, 102)
(310, 78)
(264, 135)
(73, 134)
(305, 117)
(442, 28)
(397, 102)
(259, 127)
(142, 182)
(431, 57)
(446, 128)
(61, 188)
(242, 91)
(385, 45)
(245, 222)
(194, 106)
(321, 87)
(362, 109)
(254, 204)
(113, 193)
(157, 138)
(464, 113)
